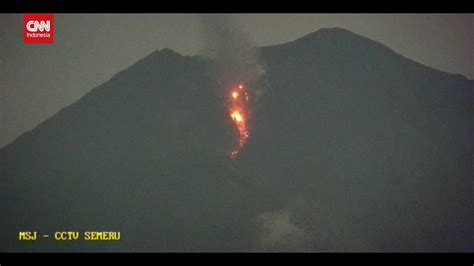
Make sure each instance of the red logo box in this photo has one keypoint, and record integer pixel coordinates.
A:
(38, 28)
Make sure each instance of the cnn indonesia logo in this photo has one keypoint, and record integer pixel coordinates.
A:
(38, 28)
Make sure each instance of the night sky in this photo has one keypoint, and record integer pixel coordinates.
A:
(38, 80)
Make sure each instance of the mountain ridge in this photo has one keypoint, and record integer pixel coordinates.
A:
(338, 34)
(312, 37)
(341, 140)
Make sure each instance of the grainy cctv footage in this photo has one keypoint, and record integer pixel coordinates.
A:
(236, 133)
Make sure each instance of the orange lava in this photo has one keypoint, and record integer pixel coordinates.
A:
(237, 111)
(235, 95)
(237, 117)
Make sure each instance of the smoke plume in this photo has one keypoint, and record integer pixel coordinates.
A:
(236, 59)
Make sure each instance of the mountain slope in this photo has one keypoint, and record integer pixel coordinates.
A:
(353, 148)
(376, 149)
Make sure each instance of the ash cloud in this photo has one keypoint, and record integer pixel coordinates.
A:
(279, 232)
(236, 59)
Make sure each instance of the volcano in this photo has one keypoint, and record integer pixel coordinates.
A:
(353, 147)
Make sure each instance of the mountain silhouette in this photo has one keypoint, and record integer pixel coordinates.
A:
(352, 147)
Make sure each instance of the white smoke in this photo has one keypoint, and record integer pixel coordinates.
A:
(278, 232)
(236, 59)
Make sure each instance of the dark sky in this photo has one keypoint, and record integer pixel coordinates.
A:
(38, 80)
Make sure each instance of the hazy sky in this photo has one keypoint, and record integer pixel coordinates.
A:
(38, 80)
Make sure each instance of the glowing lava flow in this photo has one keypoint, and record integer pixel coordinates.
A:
(238, 114)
